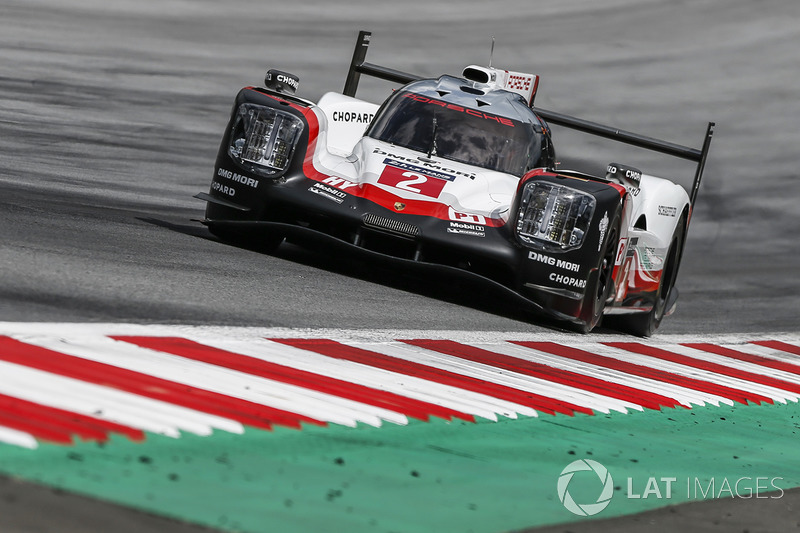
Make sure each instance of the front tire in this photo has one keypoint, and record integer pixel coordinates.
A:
(601, 283)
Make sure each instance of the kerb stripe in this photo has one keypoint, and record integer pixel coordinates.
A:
(778, 345)
(249, 413)
(337, 350)
(708, 366)
(570, 352)
(746, 357)
(45, 422)
(258, 367)
(555, 375)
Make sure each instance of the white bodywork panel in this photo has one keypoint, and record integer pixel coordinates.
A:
(347, 118)
(641, 252)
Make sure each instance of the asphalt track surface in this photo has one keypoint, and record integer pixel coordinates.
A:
(111, 114)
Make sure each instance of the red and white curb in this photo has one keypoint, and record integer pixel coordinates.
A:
(62, 382)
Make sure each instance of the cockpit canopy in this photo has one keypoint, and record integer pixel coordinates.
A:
(461, 126)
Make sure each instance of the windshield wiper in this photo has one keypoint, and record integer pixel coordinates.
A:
(432, 148)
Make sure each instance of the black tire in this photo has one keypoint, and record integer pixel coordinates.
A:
(601, 282)
(645, 324)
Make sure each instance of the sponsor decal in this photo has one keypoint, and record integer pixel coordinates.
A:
(328, 192)
(419, 170)
(352, 116)
(603, 228)
(339, 183)
(283, 78)
(462, 228)
(651, 258)
(667, 211)
(291, 82)
(411, 181)
(621, 251)
(473, 112)
(568, 281)
(552, 261)
(466, 217)
(519, 82)
(224, 189)
(427, 164)
(238, 178)
(628, 174)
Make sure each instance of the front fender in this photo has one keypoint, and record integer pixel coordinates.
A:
(658, 208)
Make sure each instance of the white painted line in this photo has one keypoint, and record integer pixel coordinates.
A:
(696, 373)
(745, 366)
(382, 335)
(107, 404)
(17, 438)
(451, 397)
(232, 383)
(767, 353)
(515, 380)
(683, 395)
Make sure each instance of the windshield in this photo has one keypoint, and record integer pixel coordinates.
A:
(458, 133)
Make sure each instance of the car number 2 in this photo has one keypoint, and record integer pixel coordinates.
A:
(411, 181)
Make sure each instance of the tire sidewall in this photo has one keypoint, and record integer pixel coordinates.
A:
(595, 298)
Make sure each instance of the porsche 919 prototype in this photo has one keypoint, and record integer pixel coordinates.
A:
(457, 174)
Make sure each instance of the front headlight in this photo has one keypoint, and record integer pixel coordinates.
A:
(263, 139)
(554, 217)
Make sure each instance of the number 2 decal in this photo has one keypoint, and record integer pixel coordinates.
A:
(416, 179)
(411, 182)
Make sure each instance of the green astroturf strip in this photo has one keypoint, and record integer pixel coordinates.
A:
(437, 476)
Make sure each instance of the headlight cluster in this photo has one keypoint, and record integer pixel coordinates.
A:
(263, 139)
(554, 217)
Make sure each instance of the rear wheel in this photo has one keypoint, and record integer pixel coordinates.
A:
(601, 282)
(645, 324)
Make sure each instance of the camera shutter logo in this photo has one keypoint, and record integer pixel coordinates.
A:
(585, 509)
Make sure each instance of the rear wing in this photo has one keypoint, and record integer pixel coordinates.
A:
(359, 66)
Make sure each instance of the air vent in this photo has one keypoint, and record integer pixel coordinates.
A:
(479, 74)
(387, 224)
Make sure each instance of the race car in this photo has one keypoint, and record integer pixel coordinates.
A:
(456, 174)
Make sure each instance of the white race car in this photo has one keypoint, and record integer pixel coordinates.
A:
(456, 174)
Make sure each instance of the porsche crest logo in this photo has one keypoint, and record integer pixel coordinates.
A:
(399, 206)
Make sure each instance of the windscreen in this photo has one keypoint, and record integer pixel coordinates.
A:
(458, 133)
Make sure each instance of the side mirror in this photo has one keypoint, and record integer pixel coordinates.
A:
(281, 82)
(624, 174)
